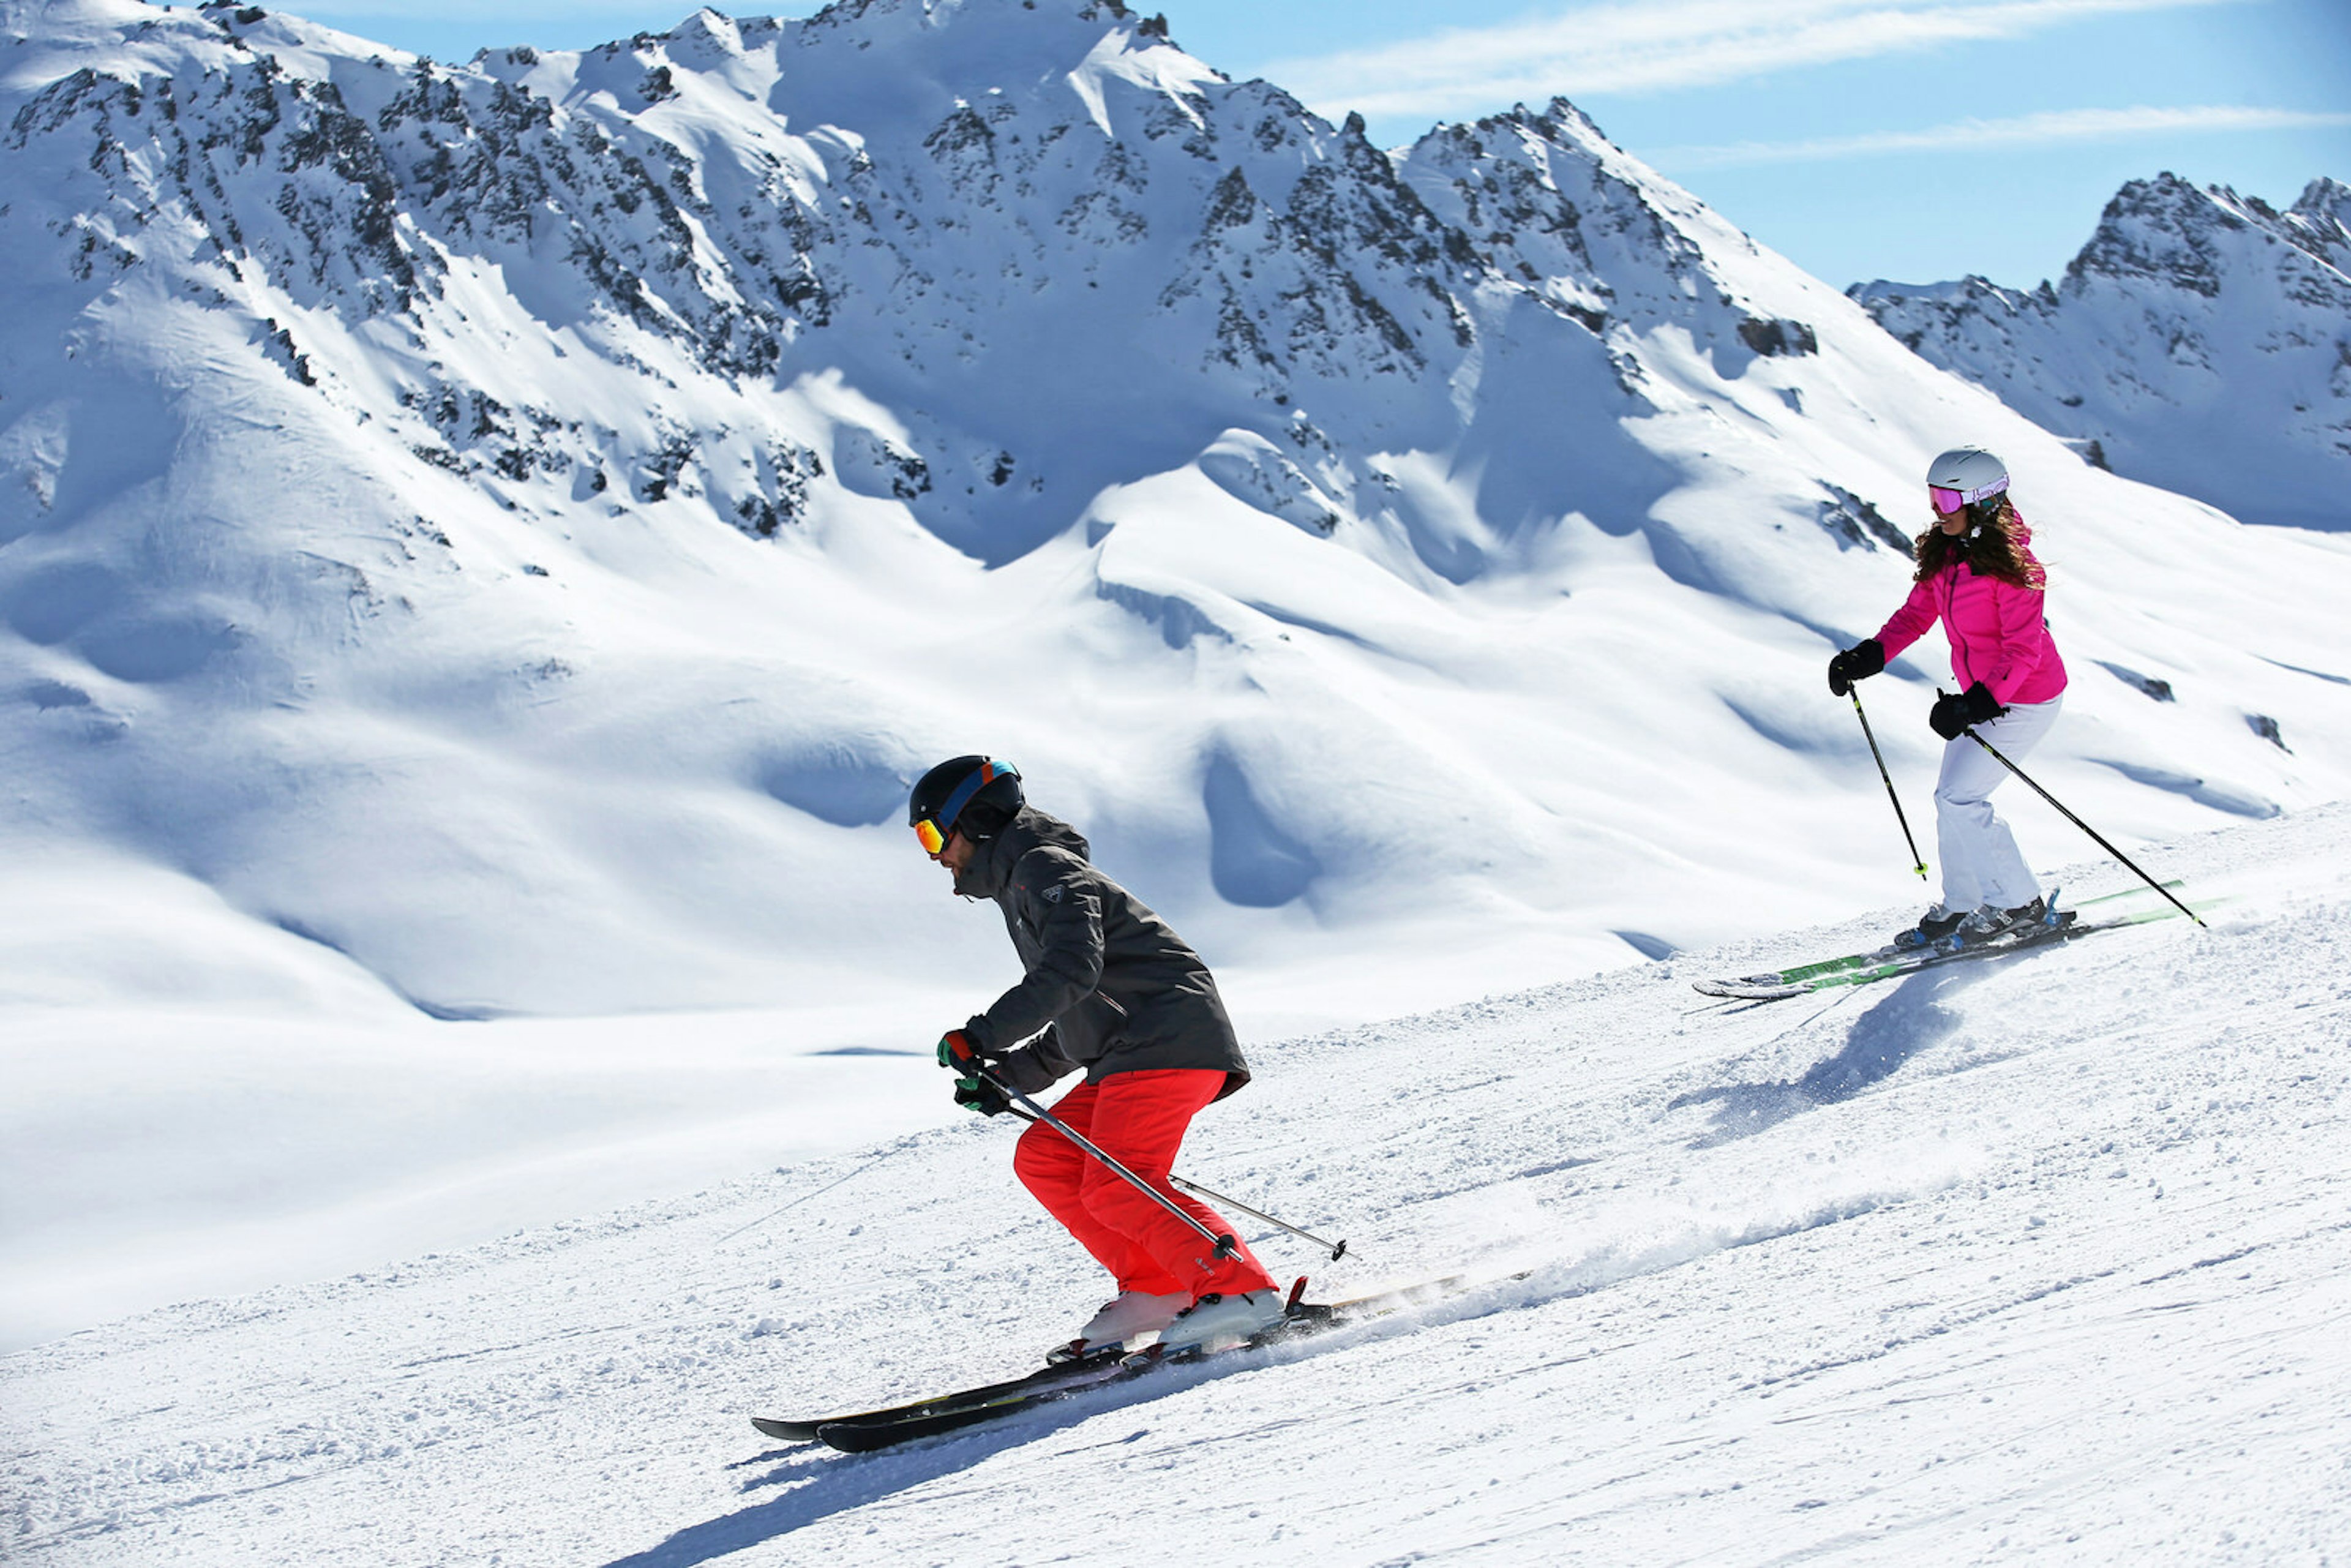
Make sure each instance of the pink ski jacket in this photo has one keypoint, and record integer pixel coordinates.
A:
(1996, 630)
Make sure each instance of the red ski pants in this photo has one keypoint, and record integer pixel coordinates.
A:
(1139, 1120)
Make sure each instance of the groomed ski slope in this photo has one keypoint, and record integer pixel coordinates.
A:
(2046, 1259)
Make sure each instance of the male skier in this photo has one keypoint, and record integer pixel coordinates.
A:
(1110, 989)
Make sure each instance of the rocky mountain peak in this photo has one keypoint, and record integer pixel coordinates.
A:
(2200, 340)
(2162, 231)
(2320, 222)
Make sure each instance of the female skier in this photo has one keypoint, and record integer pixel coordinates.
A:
(1977, 576)
(1109, 987)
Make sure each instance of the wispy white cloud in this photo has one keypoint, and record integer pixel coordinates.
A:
(1658, 45)
(2023, 131)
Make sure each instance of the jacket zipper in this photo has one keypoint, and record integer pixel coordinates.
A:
(1950, 625)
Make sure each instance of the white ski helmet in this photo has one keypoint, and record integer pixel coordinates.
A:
(1964, 476)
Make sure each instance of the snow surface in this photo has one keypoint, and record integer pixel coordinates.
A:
(2044, 1259)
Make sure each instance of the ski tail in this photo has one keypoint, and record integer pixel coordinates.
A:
(865, 1434)
(1076, 1371)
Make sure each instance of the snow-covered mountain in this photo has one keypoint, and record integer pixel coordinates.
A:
(2200, 341)
(497, 539)
(519, 525)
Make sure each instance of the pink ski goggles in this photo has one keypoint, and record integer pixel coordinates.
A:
(1947, 501)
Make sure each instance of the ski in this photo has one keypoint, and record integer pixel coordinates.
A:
(1910, 963)
(1078, 1371)
(1884, 963)
(1873, 969)
(871, 1430)
(864, 1437)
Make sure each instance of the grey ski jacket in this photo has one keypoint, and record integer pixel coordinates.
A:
(1109, 987)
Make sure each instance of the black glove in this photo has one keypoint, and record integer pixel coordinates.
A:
(1951, 714)
(1858, 662)
(978, 1095)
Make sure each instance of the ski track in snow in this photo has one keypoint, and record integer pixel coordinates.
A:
(2041, 1259)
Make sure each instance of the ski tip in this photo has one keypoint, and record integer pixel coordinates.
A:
(1747, 990)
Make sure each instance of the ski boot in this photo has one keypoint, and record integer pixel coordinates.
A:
(1217, 1318)
(1933, 926)
(1129, 1316)
(1989, 923)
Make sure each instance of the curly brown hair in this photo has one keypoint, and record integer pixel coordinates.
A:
(1996, 543)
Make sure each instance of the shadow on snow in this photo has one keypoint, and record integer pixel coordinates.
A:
(1876, 1045)
(840, 1483)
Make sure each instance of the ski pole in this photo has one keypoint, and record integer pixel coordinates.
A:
(1337, 1249)
(1226, 1246)
(2077, 822)
(1918, 862)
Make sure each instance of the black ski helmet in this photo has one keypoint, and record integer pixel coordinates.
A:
(978, 793)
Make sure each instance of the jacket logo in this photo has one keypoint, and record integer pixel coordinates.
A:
(1051, 896)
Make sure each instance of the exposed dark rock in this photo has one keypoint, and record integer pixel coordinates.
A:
(1778, 336)
(2147, 685)
(1855, 521)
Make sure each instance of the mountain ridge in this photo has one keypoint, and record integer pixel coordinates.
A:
(2197, 341)
(529, 519)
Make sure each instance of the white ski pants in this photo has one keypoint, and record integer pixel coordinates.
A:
(1982, 864)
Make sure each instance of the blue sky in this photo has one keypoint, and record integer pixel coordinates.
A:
(1911, 140)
